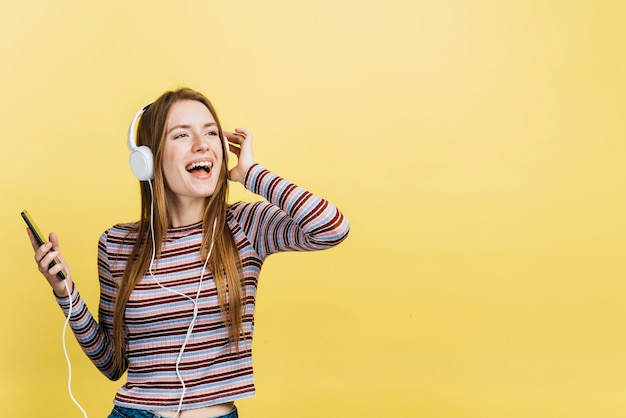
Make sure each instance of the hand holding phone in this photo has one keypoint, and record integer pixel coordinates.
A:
(39, 237)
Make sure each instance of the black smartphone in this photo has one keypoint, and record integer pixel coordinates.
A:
(39, 237)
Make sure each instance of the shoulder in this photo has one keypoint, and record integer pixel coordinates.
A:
(120, 232)
(246, 209)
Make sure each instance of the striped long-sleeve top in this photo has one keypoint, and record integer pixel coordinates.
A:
(157, 319)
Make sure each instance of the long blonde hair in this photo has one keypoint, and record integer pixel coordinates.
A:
(224, 261)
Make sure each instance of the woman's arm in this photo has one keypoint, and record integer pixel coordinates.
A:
(94, 341)
(292, 219)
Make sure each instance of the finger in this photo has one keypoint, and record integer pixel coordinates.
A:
(237, 138)
(234, 149)
(54, 240)
(240, 135)
(56, 269)
(41, 251)
(33, 240)
(47, 259)
(52, 264)
(243, 131)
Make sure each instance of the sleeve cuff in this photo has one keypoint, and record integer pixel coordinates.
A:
(64, 302)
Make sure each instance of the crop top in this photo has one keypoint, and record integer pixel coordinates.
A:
(157, 319)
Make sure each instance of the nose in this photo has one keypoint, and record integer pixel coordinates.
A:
(200, 143)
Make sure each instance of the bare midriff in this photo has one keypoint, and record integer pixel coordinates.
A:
(206, 412)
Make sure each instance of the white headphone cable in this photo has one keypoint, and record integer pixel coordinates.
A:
(67, 357)
(195, 302)
(189, 331)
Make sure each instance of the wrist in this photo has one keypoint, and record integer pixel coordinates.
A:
(64, 291)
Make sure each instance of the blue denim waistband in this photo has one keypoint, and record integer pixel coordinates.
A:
(122, 412)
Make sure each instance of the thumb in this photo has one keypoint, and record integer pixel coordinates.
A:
(54, 240)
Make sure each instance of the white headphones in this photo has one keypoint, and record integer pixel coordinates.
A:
(141, 160)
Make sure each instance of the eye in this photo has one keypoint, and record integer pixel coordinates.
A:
(211, 133)
(181, 135)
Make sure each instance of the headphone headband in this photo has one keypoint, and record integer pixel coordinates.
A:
(133, 127)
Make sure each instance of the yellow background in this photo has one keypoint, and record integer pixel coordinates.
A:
(477, 148)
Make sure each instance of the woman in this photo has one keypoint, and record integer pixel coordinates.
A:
(178, 288)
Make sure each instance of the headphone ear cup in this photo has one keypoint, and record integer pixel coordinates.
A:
(141, 163)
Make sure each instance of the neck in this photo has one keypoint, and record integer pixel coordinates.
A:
(185, 212)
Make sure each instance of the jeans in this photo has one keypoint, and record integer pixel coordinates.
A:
(121, 412)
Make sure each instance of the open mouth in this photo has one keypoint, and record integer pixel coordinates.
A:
(198, 166)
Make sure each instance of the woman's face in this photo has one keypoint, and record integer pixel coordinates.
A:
(192, 153)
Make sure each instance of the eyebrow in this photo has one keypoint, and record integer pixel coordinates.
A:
(206, 125)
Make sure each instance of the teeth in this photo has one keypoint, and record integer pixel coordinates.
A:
(203, 164)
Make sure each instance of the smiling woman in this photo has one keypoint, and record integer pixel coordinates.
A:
(178, 288)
